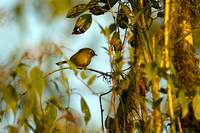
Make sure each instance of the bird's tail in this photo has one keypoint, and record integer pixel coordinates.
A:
(61, 62)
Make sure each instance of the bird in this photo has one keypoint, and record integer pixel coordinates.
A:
(82, 58)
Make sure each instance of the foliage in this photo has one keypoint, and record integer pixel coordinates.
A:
(153, 54)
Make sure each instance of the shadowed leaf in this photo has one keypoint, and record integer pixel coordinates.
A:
(76, 11)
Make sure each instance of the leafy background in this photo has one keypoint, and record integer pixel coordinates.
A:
(37, 34)
(30, 28)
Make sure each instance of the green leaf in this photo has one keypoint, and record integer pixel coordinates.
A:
(50, 113)
(151, 70)
(91, 80)
(10, 96)
(83, 75)
(106, 31)
(85, 110)
(27, 103)
(77, 10)
(72, 66)
(83, 23)
(37, 80)
(196, 106)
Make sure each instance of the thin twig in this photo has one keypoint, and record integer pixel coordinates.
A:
(90, 69)
(101, 107)
(31, 127)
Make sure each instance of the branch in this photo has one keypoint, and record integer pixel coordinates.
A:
(31, 127)
(90, 69)
(101, 107)
(108, 74)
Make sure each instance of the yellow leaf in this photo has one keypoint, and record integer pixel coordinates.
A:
(27, 103)
(151, 70)
(91, 80)
(37, 80)
(85, 110)
(83, 75)
(183, 102)
(10, 96)
(196, 106)
(58, 7)
(50, 113)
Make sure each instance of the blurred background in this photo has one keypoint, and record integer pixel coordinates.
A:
(28, 28)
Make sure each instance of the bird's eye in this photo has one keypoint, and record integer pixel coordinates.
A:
(92, 52)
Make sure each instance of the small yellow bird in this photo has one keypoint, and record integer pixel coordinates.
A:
(82, 58)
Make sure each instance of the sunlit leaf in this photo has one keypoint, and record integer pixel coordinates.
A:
(183, 101)
(72, 66)
(50, 113)
(85, 110)
(196, 106)
(151, 70)
(82, 24)
(126, 10)
(37, 80)
(64, 80)
(105, 31)
(27, 103)
(10, 96)
(91, 80)
(76, 11)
